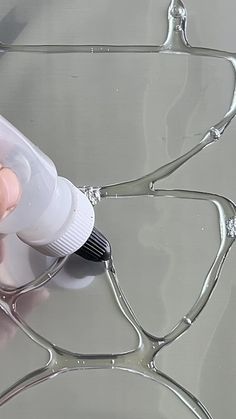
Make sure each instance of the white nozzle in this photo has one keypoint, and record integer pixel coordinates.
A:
(53, 215)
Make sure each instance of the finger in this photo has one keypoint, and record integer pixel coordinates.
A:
(10, 191)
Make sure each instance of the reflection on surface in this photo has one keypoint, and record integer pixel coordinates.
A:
(219, 361)
(8, 279)
(8, 329)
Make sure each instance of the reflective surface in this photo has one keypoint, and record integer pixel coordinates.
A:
(162, 249)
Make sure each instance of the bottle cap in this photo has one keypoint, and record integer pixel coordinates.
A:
(74, 231)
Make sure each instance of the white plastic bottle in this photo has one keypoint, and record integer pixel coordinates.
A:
(52, 215)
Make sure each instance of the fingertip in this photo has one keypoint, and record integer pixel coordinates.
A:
(10, 191)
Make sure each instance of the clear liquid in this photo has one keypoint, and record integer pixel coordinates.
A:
(143, 359)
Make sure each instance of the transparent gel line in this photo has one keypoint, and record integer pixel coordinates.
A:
(176, 43)
(143, 359)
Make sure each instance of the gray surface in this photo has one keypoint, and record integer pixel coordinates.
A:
(109, 118)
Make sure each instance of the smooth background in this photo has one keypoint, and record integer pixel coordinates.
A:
(108, 118)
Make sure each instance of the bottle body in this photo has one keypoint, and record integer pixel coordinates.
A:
(65, 225)
(36, 173)
(52, 215)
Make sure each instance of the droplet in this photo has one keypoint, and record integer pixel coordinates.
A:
(178, 28)
(215, 133)
(177, 11)
(231, 227)
(187, 320)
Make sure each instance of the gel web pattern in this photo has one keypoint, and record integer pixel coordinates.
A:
(143, 359)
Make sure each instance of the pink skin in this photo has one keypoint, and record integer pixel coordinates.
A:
(10, 193)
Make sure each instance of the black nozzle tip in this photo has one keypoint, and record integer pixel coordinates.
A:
(97, 248)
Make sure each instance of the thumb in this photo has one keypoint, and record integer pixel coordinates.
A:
(10, 191)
